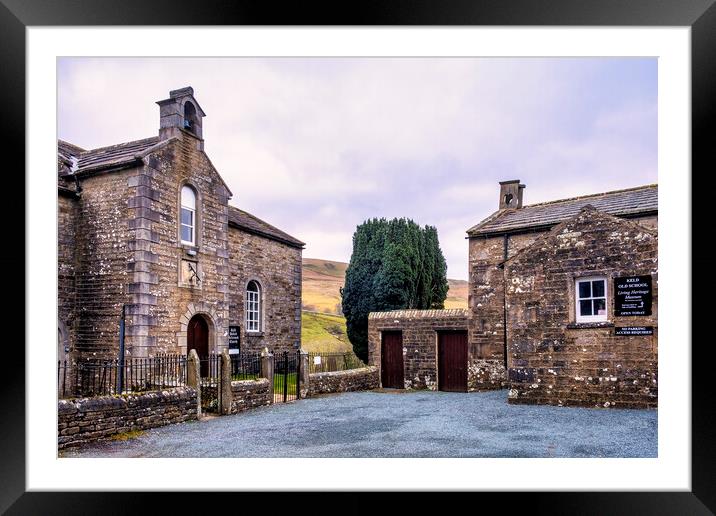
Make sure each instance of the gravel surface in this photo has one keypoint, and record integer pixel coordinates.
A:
(399, 424)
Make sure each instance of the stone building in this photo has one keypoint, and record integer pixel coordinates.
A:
(145, 228)
(549, 312)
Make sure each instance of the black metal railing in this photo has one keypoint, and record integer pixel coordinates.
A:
(210, 380)
(332, 361)
(286, 376)
(93, 377)
(245, 366)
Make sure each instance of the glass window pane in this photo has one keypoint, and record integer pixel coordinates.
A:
(187, 217)
(598, 288)
(585, 289)
(186, 233)
(600, 307)
(585, 308)
(188, 197)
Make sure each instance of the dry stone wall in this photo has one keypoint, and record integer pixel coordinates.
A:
(88, 419)
(248, 394)
(362, 379)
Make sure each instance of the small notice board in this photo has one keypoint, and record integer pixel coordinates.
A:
(234, 340)
(632, 296)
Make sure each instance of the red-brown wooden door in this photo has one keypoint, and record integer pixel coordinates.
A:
(391, 360)
(452, 361)
(197, 337)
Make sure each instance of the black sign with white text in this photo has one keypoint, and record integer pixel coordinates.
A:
(632, 295)
(634, 330)
(234, 339)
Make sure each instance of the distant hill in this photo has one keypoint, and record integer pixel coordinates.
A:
(322, 280)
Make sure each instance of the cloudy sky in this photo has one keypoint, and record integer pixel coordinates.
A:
(317, 145)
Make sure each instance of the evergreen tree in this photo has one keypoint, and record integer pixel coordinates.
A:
(395, 264)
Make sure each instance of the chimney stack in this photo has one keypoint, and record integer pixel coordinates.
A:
(511, 194)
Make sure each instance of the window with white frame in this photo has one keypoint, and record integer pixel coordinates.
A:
(253, 307)
(591, 299)
(188, 216)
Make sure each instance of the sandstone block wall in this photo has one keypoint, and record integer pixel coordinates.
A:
(103, 246)
(248, 394)
(552, 358)
(67, 212)
(277, 268)
(88, 419)
(363, 379)
(420, 338)
(164, 304)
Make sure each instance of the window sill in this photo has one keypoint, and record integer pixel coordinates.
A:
(587, 325)
(254, 334)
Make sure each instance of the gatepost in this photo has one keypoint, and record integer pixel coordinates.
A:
(225, 394)
(193, 377)
(267, 368)
(304, 378)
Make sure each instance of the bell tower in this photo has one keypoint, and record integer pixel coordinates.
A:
(180, 113)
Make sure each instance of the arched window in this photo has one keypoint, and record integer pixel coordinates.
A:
(188, 215)
(253, 306)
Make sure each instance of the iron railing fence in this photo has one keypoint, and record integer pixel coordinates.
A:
(246, 366)
(333, 361)
(98, 377)
(210, 370)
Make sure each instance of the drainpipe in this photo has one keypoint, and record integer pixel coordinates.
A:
(506, 240)
(120, 372)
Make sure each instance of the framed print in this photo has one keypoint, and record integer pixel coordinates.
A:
(215, 311)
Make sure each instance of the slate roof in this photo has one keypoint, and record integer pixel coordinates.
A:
(104, 157)
(621, 203)
(252, 224)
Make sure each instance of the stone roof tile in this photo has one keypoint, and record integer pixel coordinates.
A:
(248, 222)
(630, 202)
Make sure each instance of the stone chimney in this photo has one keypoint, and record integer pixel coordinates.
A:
(180, 113)
(511, 194)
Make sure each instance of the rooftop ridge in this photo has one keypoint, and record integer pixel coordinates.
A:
(589, 196)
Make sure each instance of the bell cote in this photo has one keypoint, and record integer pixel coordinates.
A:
(180, 113)
(511, 194)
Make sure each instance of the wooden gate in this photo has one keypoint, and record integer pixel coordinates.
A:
(391, 360)
(452, 361)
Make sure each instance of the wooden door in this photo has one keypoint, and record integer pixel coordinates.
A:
(452, 361)
(197, 337)
(391, 360)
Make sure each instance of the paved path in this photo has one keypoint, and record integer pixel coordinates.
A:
(399, 424)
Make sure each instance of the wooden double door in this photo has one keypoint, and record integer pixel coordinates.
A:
(452, 361)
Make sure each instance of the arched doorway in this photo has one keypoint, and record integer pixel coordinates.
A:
(197, 337)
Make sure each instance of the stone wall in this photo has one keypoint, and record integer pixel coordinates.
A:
(363, 379)
(277, 269)
(552, 358)
(102, 263)
(486, 293)
(88, 419)
(420, 336)
(67, 212)
(248, 394)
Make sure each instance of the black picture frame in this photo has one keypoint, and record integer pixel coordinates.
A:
(16, 15)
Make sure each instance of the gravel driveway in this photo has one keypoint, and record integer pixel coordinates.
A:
(399, 424)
